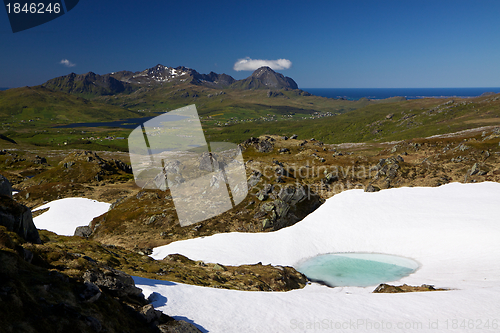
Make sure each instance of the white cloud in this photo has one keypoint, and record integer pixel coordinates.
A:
(67, 63)
(247, 64)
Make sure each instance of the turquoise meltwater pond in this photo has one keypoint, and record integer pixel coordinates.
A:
(356, 269)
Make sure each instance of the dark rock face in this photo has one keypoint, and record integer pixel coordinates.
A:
(5, 187)
(17, 218)
(90, 293)
(291, 204)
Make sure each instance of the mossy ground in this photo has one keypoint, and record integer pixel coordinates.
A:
(72, 256)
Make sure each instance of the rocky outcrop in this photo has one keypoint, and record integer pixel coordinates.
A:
(17, 218)
(5, 187)
(115, 282)
(36, 299)
(271, 93)
(262, 146)
(387, 288)
(84, 167)
(289, 205)
(83, 231)
(386, 171)
(388, 167)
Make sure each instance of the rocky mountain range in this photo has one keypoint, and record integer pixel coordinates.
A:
(92, 84)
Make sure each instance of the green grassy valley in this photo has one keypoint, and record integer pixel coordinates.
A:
(29, 116)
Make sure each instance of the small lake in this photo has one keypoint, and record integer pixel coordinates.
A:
(130, 123)
(356, 269)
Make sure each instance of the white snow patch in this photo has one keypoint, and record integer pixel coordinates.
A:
(66, 214)
(453, 231)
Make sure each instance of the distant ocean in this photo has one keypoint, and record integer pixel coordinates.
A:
(409, 93)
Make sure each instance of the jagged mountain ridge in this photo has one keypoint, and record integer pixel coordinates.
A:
(88, 84)
(126, 81)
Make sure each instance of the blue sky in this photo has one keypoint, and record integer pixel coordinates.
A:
(330, 44)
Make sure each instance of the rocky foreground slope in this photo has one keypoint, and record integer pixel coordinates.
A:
(46, 289)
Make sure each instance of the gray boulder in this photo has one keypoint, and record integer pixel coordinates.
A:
(17, 218)
(284, 151)
(90, 293)
(254, 179)
(264, 146)
(149, 313)
(83, 231)
(371, 188)
(5, 187)
(116, 282)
